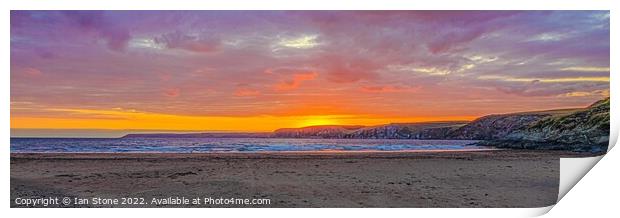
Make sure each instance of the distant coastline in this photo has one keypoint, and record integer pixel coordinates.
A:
(576, 129)
(202, 135)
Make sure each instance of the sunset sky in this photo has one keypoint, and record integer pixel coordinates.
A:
(263, 70)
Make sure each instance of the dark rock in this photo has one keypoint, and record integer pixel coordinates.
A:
(581, 130)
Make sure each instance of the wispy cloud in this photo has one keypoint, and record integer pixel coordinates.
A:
(296, 81)
(587, 69)
(302, 42)
(306, 63)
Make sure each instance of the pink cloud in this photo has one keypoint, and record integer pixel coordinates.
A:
(203, 71)
(389, 89)
(296, 81)
(268, 71)
(172, 92)
(348, 70)
(32, 72)
(453, 38)
(164, 77)
(363, 56)
(242, 92)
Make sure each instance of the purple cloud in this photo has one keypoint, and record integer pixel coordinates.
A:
(175, 61)
(178, 40)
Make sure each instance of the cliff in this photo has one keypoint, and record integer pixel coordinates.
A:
(327, 131)
(584, 129)
(581, 129)
(425, 130)
(499, 126)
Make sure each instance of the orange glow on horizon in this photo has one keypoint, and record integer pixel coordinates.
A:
(128, 120)
(318, 121)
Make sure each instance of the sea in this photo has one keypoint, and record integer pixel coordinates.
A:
(215, 145)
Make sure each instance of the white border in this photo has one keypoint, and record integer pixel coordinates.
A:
(604, 172)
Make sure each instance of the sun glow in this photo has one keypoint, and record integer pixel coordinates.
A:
(318, 121)
(123, 119)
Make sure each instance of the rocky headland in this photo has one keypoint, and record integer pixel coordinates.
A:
(576, 129)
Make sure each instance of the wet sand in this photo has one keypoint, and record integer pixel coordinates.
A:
(501, 178)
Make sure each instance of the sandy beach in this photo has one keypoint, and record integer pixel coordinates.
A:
(501, 178)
